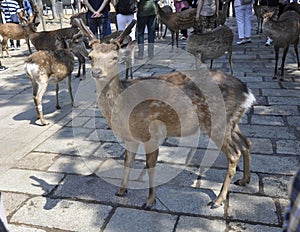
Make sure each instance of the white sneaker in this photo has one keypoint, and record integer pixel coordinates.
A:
(240, 42)
(268, 42)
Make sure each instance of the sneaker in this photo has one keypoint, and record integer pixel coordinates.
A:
(268, 42)
(240, 42)
(184, 37)
(18, 48)
(3, 68)
(12, 47)
(248, 40)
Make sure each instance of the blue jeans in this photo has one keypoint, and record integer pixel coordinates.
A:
(100, 24)
(142, 22)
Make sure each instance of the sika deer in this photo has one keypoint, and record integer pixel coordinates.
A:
(151, 118)
(177, 21)
(45, 66)
(283, 32)
(211, 45)
(259, 10)
(168, 10)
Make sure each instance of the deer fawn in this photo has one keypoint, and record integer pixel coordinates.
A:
(152, 119)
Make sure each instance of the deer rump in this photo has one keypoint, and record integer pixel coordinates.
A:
(159, 108)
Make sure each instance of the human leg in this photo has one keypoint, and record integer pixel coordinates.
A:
(151, 34)
(248, 15)
(141, 24)
(239, 15)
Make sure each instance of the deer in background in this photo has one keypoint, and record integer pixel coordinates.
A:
(43, 67)
(177, 21)
(168, 10)
(259, 11)
(211, 45)
(283, 32)
(153, 119)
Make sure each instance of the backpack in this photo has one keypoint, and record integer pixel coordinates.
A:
(126, 7)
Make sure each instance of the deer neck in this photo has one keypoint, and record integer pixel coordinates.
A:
(108, 92)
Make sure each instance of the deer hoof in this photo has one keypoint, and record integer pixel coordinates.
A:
(241, 182)
(58, 107)
(274, 78)
(281, 79)
(121, 192)
(213, 205)
(148, 206)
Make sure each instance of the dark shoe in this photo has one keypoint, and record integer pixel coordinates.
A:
(3, 68)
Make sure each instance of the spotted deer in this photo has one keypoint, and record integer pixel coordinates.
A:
(153, 119)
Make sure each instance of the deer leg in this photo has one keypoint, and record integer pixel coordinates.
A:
(297, 53)
(211, 63)
(28, 45)
(230, 61)
(79, 69)
(245, 147)
(173, 38)
(177, 38)
(83, 71)
(276, 62)
(4, 46)
(165, 33)
(70, 89)
(285, 51)
(56, 95)
(34, 93)
(38, 101)
(130, 154)
(151, 160)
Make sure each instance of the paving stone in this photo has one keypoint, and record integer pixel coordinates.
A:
(186, 200)
(177, 155)
(269, 85)
(206, 159)
(283, 101)
(28, 181)
(12, 201)
(213, 179)
(75, 165)
(277, 186)
(54, 213)
(144, 221)
(294, 120)
(97, 189)
(110, 150)
(244, 227)
(97, 122)
(17, 228)
(267, 120)
(274, 164)
(276, 110)
(260, 131)
(71, 141)
(252, 208)
(104, 136)
(196, 224)
(261, 146)
(78, 121)
(37, 161)
(280, 92)
(291, 147)
(283, 204)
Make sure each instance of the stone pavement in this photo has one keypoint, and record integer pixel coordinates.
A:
(63, 177)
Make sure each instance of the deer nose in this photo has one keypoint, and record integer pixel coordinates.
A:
(96, 73)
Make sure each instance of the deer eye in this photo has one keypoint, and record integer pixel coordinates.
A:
(115, 59)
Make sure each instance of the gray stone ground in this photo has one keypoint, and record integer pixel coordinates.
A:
(63, 177)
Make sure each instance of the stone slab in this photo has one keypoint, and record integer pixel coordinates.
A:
(277, 186)
(12, 201)
(291, 147)
(196, 224)
(271, 132)
(28, 181)
(252, 208)
(244, 227)
(54, 213)
(140, 221)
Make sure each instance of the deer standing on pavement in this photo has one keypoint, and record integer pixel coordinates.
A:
(153, 119)
(283, 32)
(43, 67)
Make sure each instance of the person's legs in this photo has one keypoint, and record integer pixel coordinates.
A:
(248, 15)
(121, 21)
(93, 25)
(151, 34)
(239, 15)
(103, 25)
(141, 24)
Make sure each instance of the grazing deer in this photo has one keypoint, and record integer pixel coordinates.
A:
(283, 32)
(43, 67)
(152, 119)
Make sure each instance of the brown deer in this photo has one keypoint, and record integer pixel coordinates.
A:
(152, 119)
(283, 32)
(160, 35)
(45, 66)
(177, 21)
(259, 10)
(211, 45)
